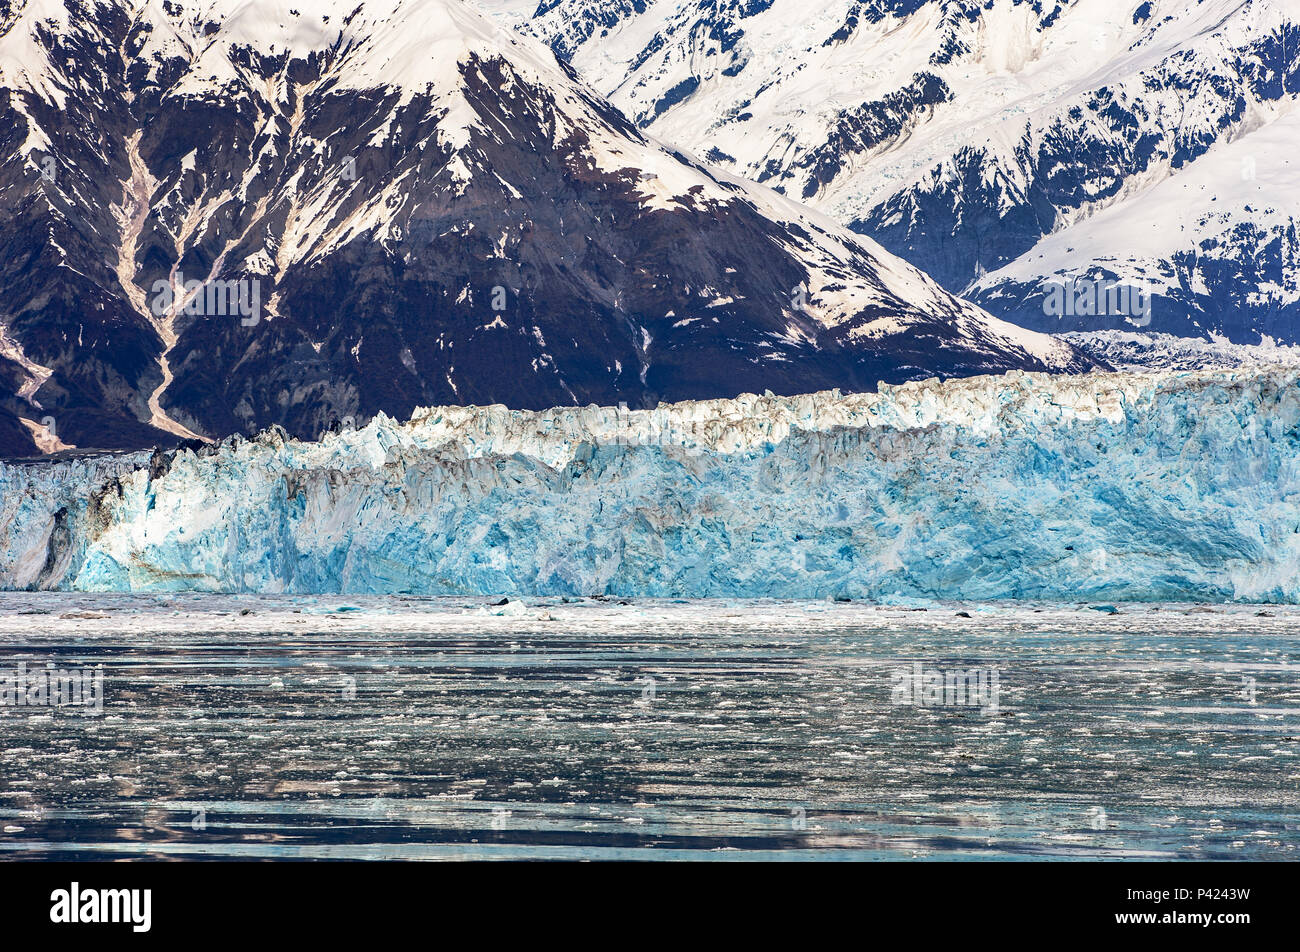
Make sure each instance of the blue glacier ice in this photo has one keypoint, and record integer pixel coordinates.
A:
(1105, 486)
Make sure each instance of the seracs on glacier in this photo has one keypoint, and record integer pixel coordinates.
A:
(1176, 485)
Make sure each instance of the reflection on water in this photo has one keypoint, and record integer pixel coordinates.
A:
(256, 727)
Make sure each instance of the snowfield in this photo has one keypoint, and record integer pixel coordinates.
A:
(1126, 350)
(1176, 485)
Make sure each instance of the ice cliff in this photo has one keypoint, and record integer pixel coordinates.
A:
(1104, 486)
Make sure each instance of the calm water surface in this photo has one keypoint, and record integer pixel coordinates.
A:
(334, 727)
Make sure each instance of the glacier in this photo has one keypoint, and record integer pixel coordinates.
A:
(1109, 485)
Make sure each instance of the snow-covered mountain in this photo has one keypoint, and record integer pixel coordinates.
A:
(1102, 485)
(1003, 146)
(1137, 351)
(218, 215)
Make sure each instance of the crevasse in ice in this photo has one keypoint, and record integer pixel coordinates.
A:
(1118, 486)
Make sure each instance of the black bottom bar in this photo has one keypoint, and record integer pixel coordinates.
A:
(566, 902)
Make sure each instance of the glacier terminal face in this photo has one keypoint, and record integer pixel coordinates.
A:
(1118, 486)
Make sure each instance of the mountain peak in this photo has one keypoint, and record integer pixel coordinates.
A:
(225, 216)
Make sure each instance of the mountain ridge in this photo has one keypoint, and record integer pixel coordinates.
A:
(989, 141)
(422, 208)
